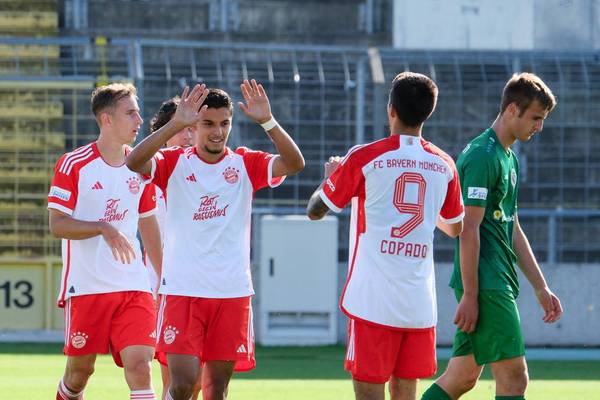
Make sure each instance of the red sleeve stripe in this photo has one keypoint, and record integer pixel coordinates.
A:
(74, 158)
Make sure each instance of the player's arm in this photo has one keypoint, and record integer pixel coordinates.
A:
(150, 235)
(452, 230)
(316, 208)
(189, 111)
(452, 212)
(531, 269)
(289, 160)
(64, 226)
(467, 312)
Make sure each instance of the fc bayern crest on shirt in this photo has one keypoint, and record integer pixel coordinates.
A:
(134, 185)
(231, 175)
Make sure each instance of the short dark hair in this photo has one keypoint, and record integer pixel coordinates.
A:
(165, 113)
(218, 98)
(108, 96)
(413, 97)
(525, 88)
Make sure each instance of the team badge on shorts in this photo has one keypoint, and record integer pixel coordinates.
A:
(231, 175)
(78, 339)
(170, 334)
(134, 185)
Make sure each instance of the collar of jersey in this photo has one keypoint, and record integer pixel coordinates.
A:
(97, 152)
(225, 153)
(505, 151)
(404, 139)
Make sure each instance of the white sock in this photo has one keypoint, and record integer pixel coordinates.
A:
(145, 394)
(67, 393)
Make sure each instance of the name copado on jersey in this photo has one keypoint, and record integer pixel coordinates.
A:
(207, 226)
(398, 186)
(85, 187)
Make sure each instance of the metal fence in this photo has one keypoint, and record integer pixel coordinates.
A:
(330, 98)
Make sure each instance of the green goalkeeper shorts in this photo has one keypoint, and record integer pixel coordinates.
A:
(498, 333)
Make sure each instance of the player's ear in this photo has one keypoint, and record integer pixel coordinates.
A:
(513, 109)
(105, 119)
(391, 111)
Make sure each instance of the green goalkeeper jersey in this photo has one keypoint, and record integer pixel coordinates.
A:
(489, 177)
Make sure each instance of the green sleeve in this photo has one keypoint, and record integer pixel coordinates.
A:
(478, 175)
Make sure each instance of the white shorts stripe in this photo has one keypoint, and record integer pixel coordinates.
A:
(67, 320)
(351, 340)
(250, 332)
(159, 318)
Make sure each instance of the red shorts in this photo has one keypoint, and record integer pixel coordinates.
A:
(95, 323)
(211, 329)
(375, 353)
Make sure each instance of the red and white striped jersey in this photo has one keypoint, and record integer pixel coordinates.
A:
(85, 187)
(399, 186)
(207, 227)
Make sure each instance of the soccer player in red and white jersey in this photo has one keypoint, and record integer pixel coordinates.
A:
(206, 284)
(401, 188)
(183, 138)
(95, 203)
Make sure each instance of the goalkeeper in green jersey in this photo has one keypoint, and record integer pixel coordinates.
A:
(491, 247)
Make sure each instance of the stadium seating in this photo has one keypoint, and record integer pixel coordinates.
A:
(325, 96)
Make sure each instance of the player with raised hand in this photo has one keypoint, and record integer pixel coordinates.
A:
(205, 313)
(182, 139)
(491, 247)
(96, 205)
(401, 188)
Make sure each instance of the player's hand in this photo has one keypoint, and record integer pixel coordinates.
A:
(467, 314)
(119, 244)
(257, 106)
(550, 304)
(331, 165)
(190, 108)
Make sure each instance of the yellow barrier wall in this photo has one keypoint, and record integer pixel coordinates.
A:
(28, 292)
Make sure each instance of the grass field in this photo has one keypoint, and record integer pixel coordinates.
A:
(32, 371)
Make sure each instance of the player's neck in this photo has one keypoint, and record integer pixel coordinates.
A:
(503, 132)
(112, 151)
(209, 157)
(400, 129)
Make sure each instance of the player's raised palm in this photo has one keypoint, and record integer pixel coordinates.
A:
(257, 106)
(190, 109)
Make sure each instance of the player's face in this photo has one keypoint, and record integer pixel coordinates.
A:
(530, 122)
(183, 138)
(125, 120)
(212, 132)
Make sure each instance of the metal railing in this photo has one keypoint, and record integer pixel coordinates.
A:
(331, 97)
